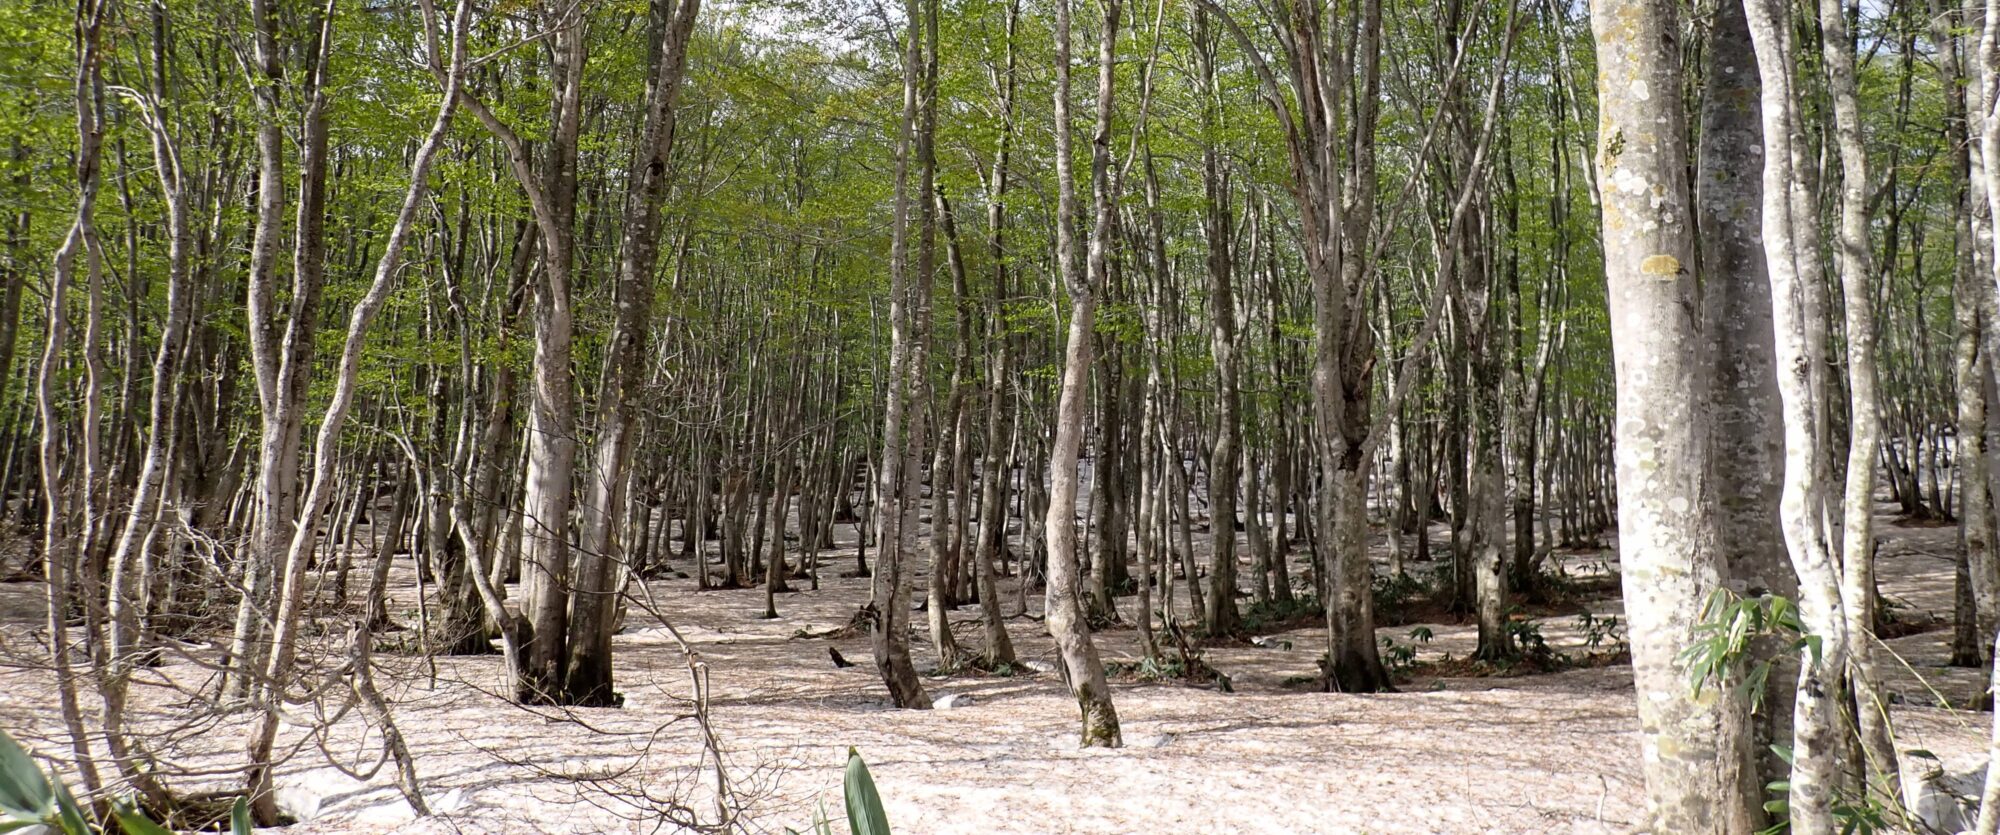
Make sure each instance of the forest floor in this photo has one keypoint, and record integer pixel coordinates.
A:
(1454, 752)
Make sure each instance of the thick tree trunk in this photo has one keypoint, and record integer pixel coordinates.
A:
(1978, 573)
(1666, 523)
(1353, 664)
(1486, 510)
(1336, 215)
(551, 449)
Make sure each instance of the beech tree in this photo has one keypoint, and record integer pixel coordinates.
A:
(1671, 561)
(1749, 431)
(1083, 669)
(1309, 333)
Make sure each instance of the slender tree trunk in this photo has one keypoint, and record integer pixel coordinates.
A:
(1864, 423)
(291, 598)
(59, 547)
(276, 471)
(128, 580)
(1749, 437)
(900, 489)
(388, 534)
(1217, 226)
(1082, 669)
(1791, 258)
(601, 554)
(996, 470)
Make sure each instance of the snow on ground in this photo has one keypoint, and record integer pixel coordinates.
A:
(1551, 753)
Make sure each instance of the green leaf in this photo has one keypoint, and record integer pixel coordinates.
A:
(136, 823)
(865, 815)
(822, 825)
(24, 792)
(70, 812)
(239, 817)
(1755, 684)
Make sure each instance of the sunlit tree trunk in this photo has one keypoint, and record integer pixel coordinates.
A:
(1082, 669)
(1666, 514)
(1791, 259)
(291, 597)
(1977, 590)
(277, 471)
(899, 489)
(125, 599)
(59, 541)
(1864, 423)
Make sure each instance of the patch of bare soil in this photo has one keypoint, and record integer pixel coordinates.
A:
(1459, 750)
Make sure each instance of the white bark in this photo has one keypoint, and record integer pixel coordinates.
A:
(1791, 260)
(1666, 518)
(898, 484)
(327, 446)
(1857, 541)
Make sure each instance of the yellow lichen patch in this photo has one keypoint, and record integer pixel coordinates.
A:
(1660, 265)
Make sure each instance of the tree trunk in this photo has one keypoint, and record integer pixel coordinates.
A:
(1217, 225)
(1082, 669)
(900, 484)
(601, 554)
(1864, 423)
(1749, 437)
(1666, 521)
(1791, 258)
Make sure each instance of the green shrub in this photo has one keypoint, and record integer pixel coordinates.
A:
(1279, 615)
(1601, 633)
(1535, 649)
(1722, 640)
(1396, 595)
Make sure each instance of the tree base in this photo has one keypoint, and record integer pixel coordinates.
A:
(1355, 673)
